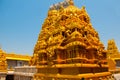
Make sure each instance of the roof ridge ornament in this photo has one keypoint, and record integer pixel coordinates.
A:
(58, 6)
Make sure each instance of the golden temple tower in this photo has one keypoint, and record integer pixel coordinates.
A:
(113, 55)
(68, 47)
(112, 49)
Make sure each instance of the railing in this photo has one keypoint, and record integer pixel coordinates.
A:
(24, 73)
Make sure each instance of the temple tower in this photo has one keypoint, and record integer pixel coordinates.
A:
(113, 55)
(68, 47)
(112, 49)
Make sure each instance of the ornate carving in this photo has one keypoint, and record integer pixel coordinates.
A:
(3, 63)
(68, 29)
(69, 46)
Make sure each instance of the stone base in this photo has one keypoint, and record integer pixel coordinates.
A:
(88, 76)
(73, 72)
(3, 75)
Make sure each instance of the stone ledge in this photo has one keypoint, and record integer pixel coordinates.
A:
(24, 74)
(71, 65)
(89, 75)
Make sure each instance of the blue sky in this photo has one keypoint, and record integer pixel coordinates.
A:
(21, 21)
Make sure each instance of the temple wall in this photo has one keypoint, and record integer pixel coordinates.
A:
(11, 63)
(14, 63)
(24, 73)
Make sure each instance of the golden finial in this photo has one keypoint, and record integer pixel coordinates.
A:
(71, 2)
(83, 7)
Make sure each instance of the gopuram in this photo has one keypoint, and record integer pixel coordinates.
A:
(113, 56)
(68, 47)
(112, 50)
